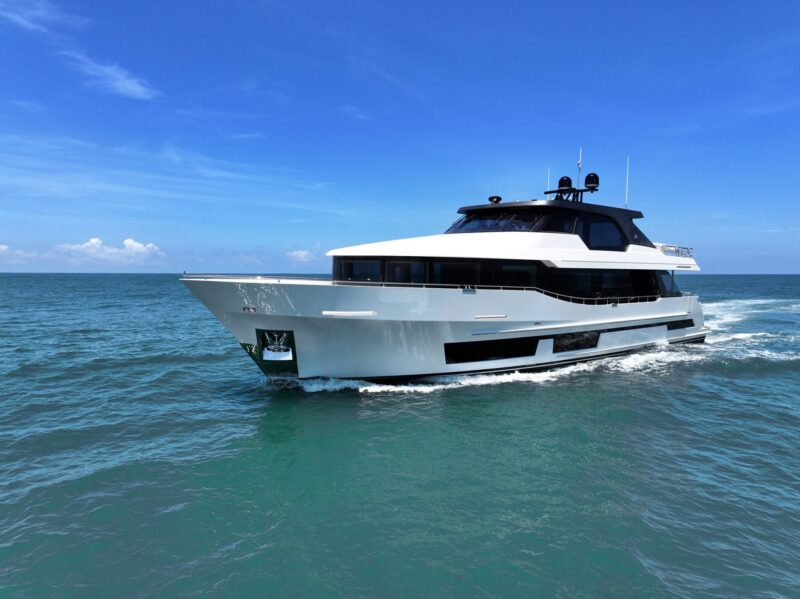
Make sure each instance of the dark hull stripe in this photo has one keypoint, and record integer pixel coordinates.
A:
(700, 338)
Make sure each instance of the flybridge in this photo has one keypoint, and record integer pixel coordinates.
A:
(612, 227)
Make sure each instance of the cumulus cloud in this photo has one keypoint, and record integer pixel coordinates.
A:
(109, 77)
(301, 256)
(95, 250)
(4, 248)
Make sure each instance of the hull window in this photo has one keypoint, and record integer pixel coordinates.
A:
(480, 351)
(680, 324)
(573, 341)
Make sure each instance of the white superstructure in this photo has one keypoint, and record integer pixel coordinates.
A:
(510, 286)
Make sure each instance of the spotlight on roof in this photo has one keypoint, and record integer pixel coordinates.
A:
(592, 182)
(495, 199)
(564, 183)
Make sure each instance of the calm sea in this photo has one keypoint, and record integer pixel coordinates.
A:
(142, 454)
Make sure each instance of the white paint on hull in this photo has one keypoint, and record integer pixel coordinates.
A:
(366, 331)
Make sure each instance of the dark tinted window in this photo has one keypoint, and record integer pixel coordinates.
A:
(600, 233)
(405, 271)
(560, 222)
(478, 223)
(616, 283)
(666, 284)
(520, 274)
(455, 272)
(500, 349)
(570, 281)
(573, 282)
(573, 341)
(524, 221)
(358, 270)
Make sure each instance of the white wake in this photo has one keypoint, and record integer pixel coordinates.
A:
(724, 342)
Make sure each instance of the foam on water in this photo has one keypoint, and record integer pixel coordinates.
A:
(441, 383)
(722, 314)
(721, 344)
(432, 385)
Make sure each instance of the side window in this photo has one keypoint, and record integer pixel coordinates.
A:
(667, 285)
(405, 271)
(616, 283)
(454, 272)
(558, 223)
(518, 275)
(600, 233)
(358, 270)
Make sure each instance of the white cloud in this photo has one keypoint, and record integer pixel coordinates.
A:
(42, 16)
(4, 248)
(109, 77)
(35, 15)
(301, 256)
(131, 251)
(355, 112)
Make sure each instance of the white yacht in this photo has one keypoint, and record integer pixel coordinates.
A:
(509, 286)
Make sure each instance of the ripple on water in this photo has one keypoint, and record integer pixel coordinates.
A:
(140, 449)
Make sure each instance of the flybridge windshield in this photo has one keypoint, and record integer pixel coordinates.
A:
(497, 221)
(598, 231)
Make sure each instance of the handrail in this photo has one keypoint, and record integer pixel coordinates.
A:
(676, 250)
(467, 288)
(593, 301)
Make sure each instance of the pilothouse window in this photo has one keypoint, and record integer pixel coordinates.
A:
(524, 221)
(496, 221)
(600, 233)
(560, 222)
(479, 223)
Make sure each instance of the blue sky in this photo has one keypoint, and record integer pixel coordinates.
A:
(247, 136)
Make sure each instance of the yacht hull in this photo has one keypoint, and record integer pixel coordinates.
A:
(307, 328)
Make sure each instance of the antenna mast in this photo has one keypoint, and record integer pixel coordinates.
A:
(548, 178)
(580, 157)
(627, 179)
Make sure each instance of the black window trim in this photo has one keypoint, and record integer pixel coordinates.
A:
(564, 284)
(515, 346)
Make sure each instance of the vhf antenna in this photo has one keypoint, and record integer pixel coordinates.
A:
(627, 179)
(580, 156)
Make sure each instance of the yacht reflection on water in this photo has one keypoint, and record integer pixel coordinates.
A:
(510, 286)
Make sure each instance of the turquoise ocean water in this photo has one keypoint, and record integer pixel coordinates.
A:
(143, 454)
